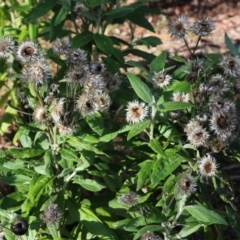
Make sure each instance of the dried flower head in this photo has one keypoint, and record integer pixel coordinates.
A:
(230, 65)
(86, 103)
(76, 57)
(178, 28)
(207, 166)
(223, 125)
(77, 75)
(65, 129)
(198, 136)
(27, 51)
(94, 84)
(79, 8)
(186, 185)
(136, 112)
(217, 145)
(193, 124)
(202, 117)
(103, 100)
(180, 97)
(38, 72)
(203, 27)
(128, 199)
(61, 46)
(19, 226)
(57, 109)
(97, 68)
(51, 214)
(150, 236)
(175, 115)
(217, 85)
(40, 115)
(6, 47)
(161, 79)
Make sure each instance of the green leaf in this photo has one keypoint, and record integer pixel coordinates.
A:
(156, 147)
(89, 184)
(140, 20)
(121, 12)
(108, 137)
(179, 59)
(48, 163)
(140, 88)
(179, 86)
(163, 167)
(170, 106)
(104, 43)
(205, 215)
(37, 186)
(150, 228)
(230, 45)
(61, 16)
(137, 64)
(188, 230)
(81, 39)
(94, 3)
(40, 10)
(150, 41)
(234, 220)
(24, 153)
(95, 121)
(69, 154)
(147, 56)
(80, 145)
(144, 173)
(137, 128)
(158, 63)
(4, 98)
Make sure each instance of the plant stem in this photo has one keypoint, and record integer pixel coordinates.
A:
(199, 38)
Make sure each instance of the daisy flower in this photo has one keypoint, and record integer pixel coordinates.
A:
(136, 112)
(207, 166)
(178, 28)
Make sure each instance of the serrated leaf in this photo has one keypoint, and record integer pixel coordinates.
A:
(140, 88)
(81, 39)
(171, 106)
(230, 45)
(104, 43)
(95, 121)
(205, 215)
(156, 147)
(144, 173)
(137, 128)
(163, 167)
(158, 63)
(89, 184)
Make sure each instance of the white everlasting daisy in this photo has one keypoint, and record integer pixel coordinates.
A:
(136, 112)
(161, 79)
(87, 104)
(198, 136)
(178, 28)
(40, 115)
(207, 166)
(27, 51)
(230, 65)
(203, 27)
(6, 47)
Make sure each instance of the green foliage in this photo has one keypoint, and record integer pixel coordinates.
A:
(103, 152)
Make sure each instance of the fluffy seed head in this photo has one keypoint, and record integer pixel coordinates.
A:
(217, 85)
(217, 145)
(6, 47)
(186, 185)
(27, 51)
(76, 57)
(198, 136)
(77, 75)
(61, 46)
(202, 117)
(136, 112)
(128, 199)
(113, 82)
(87, 104)
(51, 214)
(103, 100)
(178, 28)
(207, 166)
(57, 109)
(65, 129)
(40, 115)
(230, 65)
(94, 84)
(203, 27)
(161, 79)
(97, 67)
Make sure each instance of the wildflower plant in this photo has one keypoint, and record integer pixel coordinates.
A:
(104, 153)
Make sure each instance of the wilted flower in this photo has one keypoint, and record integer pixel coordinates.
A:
(203, 27)
(193, 124)
(57, 109)
(217, 85)
(40, 115)
(202, 117)
(103, 100)
(230, 65)
(51, 214)
(6, 47)
(128, 199)
(136, 112)
(150, 236)
(178, 28)
(207, 166)
(97, 67)
(113, 82)
(19, 226)
(65, 129)
(27, 51)
(94, 84)
(186, 185)
(175, 115)
(76, 57)
(61, 46)
(38, 72)
(77, 75)
(79, 8)
(217, 145)
(86, 104)
(161, 79)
